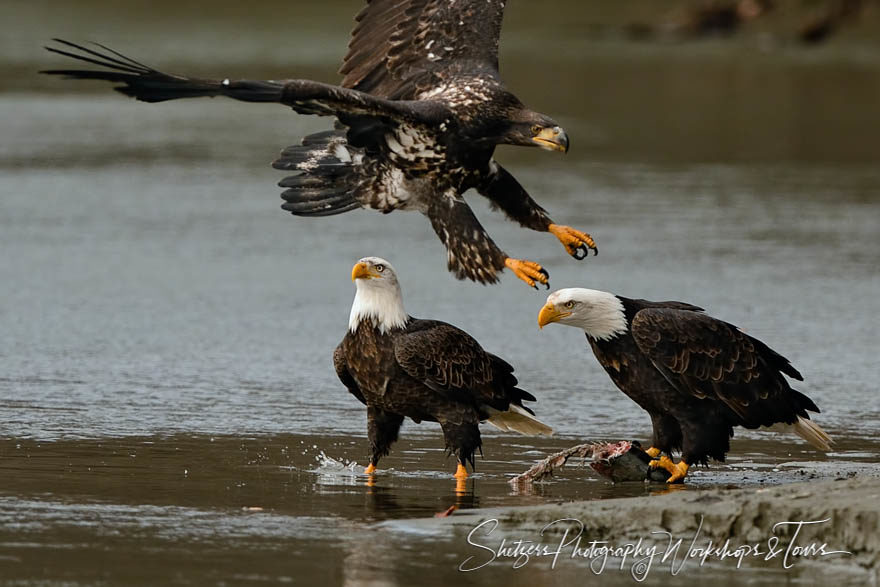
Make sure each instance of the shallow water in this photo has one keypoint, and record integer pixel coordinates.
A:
(168, 408)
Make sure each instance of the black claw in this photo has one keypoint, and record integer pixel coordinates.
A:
(547, 277)
(535, 285)
(595, 251)
(581, 252)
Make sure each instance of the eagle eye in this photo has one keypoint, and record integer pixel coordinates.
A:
(380, 268)
(570, 304)
(536, 128)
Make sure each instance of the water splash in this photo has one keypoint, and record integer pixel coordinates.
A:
(329, 465)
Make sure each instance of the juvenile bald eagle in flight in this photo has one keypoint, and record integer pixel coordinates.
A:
(419, 112)
(404, 367)
(696, 376)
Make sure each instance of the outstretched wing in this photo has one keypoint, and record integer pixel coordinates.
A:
(708, 358)
(398, 45)
(449, 360)
(304, 96)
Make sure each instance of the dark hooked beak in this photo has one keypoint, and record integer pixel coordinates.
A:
(552, 138)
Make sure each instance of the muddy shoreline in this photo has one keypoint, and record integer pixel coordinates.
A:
(846, 512)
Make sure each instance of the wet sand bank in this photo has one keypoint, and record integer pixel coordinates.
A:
(797, 529)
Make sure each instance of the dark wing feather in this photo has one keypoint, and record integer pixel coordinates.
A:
(345, 376)
(442, 356)
(641, 304)
(708, 358)
(396, 45)
(304, 96)
(448, 360)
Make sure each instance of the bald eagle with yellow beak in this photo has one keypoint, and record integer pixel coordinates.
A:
(696, 376)
(404, 367)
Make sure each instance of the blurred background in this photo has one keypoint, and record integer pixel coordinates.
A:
(685, 80)
(166, 330)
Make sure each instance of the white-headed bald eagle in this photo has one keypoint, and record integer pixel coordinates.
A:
(419, 113)
(404, 367)
(696, 376)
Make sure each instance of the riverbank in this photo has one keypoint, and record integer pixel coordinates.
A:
(825, 528)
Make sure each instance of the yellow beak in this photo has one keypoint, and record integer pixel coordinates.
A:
(361, 271)
(549, 314)
(552, 138)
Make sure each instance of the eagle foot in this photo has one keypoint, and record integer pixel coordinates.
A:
(653, 452)
(663, 462)
(680, 470)
(371, 468)
(461, 472)
(528, 271)
(577, 243)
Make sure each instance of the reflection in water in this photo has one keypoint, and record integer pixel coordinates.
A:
(360, 564)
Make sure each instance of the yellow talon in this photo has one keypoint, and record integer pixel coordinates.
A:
(577, 243)
(663, 462)
(679, 472)
(371, 468)
(461, 473)
(653, 452)
(528, 271)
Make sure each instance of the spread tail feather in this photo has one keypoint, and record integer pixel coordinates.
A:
(519, 420)
(326, 178)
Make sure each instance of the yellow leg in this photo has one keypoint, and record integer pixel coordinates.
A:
(653, 452)
(528, 271)
(679, 472)
(577, 243)
(460, 485)
(461, 472)
(663, 462)
(371, 468)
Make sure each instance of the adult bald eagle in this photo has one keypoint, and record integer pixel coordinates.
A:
(419, 113)
(696, 376)
(404, 367)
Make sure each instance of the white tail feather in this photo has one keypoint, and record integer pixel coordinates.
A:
(813, 433)
(519, 420)
(809, 431)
